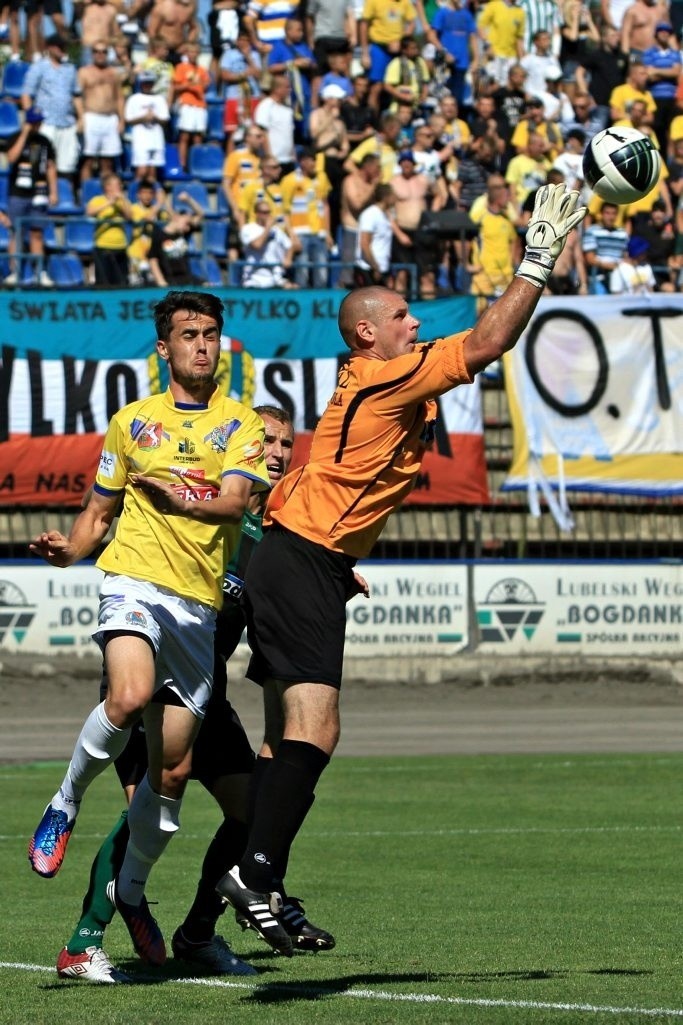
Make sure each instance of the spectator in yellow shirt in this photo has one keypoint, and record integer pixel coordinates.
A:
(382, 26)
(112, 211)
(634, 88)
(306, 207)
(502, 24)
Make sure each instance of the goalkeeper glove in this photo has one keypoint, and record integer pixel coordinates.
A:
(555, 214)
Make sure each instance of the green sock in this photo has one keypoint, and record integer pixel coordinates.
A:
(98, 910)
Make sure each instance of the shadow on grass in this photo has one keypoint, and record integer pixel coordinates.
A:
(532, 974)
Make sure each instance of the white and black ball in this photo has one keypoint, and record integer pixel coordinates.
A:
(621, 165)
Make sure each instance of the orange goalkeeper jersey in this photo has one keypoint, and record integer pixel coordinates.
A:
(368, 446)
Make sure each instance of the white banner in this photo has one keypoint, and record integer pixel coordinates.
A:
(579, 608)
(418, 609)
(596, 396)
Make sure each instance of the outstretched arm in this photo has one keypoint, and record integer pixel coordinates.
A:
(89, 528)
(556, 212)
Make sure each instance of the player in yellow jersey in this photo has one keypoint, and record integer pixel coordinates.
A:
(364, 459)
(186, 463)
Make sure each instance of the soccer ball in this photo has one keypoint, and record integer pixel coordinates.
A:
(621, 165)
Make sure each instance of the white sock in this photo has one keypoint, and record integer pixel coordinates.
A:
(152, 821)
(99, 743)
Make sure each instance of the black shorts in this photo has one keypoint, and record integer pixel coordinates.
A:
(49, 7)
(295, 601)
(424, 251)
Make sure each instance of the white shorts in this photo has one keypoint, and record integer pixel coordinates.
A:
(192, 119)
(67, 149)
(101, 137)
(180, 631)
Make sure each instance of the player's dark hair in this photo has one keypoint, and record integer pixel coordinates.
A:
(194, 302)
(275, 412)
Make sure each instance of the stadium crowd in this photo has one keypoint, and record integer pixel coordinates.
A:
(340, 142)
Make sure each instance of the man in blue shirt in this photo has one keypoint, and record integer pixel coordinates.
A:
(292, 56)
(663, 68)
(454, 33)
(51, 84)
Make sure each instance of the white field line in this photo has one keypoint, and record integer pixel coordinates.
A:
(502, 831)
(381, 995)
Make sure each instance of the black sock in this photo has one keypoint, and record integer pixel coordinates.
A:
(282, 801)
(261, 766)
(224, 851)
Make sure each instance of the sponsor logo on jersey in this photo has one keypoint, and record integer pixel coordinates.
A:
(218, 438)
(186, 446)
(183, 471)
(196, 492)
(253, 451)
(136, 618)
(146, 434)
(107, 465)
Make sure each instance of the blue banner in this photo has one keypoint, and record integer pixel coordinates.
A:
(290, 325)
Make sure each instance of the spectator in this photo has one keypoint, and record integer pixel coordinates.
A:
(357, 114)
(487, 121)
(380, 32)
(638, 29)
(414, 195)
(305, 194)
(338, 63)
(51, 84)
(570, 162)
(190, 83)
(147, 114)
(538, 62)
(266, 189)
(663, 65)
(502, 25)
(103, 112)
(600, 71)
(169, 253)
(556, 105)
(265, 21)
(675, 169)
(293, 57)
(657, 229)
(604, 244)
(569, 275)
(148, 208)
(241, 167)
(407, 76)
(453, 32)
(511, 100)
(474, 171)
(494, 254)
(456, 132)
(634, 88)
(268, 251)
(36, 12)
(98, 22)
(541, 16)
(275, 115)
(633, 273)
(224, 28)
(384, 143)
(240, 71)
(331, 144)
(376, 231)
(578, 31)
(426, 156)
(174, 21)
(112, 211)
(528, 170)
(157, 63)
(612, 12)
(10, 17)
(358, 190)
(535, 122)
(587, 116)
(329, 28)
(32, 186)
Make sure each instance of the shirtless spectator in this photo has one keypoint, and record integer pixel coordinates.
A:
(103, 120)
(174, 21)
(415, 193)
(357, 193)
(98, 22)
(639, 24)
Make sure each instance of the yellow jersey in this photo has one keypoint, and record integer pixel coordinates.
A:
(388, 20)
(304, 202)
(192, 447)
(503, 26)
(111, 233)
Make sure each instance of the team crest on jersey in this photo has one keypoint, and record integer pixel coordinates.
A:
(136, 618)
(219, 436)
(148, 435)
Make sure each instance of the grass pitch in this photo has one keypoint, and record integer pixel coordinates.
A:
(488, 890)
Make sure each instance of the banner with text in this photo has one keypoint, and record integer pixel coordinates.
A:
(67, 365)
(596, 396)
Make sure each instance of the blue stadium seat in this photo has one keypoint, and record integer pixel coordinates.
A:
(66, 271)
(215, 131)
(4, 191)
(4, 238)
(216, 239)
(79, 236)
(66, 200)
(50, 239)
(91, 187)
(199, 193)
(13, 79)
(206, 163)
(10, 124)
(222, 205)
(172, 168)
(208, 270)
